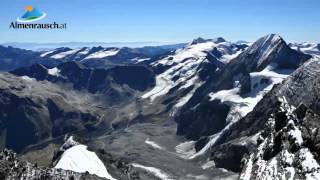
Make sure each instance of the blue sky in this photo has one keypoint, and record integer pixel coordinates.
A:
(165, 20)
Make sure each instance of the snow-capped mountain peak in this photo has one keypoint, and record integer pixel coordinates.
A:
(202, 40)
(185, 67)
(265, 46)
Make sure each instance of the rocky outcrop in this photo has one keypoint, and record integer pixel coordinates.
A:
(12, 168)
(289, 146)
(302, 87)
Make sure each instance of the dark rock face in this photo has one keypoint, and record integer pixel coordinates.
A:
(119, 168)
(12, 168)
(136, 77)
(12, 58)
(198, 40)
(32, 111)
(193, 125)
(303, 86)
(201, 143)
(231, 159)
(116, 85)
(21, 116)
(36, 71)
(94, 80)
(219, 40)
(201, 40)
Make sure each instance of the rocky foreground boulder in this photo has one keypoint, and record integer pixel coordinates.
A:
(12, 168)
(288, 148)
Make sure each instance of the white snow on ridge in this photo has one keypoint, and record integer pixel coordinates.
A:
(79, 159)
(46, 53)
(54, 71)
(64, 54)
(153, 144)
(103, 54)
(84, 51)
(155, 171)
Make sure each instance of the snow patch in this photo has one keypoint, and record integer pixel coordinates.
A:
(162, 87)
(27, 78)
(153, 144)
(68, 144)
(54, 71)
(84, 51)
(226, 58)
(195, 51)
(64, 54)
(208, 165)
(138, 60)
(46, 53)
(155, 171)
(102, 54)
(296, 134)
(79, 159)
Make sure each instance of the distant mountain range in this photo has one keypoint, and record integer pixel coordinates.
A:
(49, 46)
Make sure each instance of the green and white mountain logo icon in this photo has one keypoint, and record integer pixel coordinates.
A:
(31, 15)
